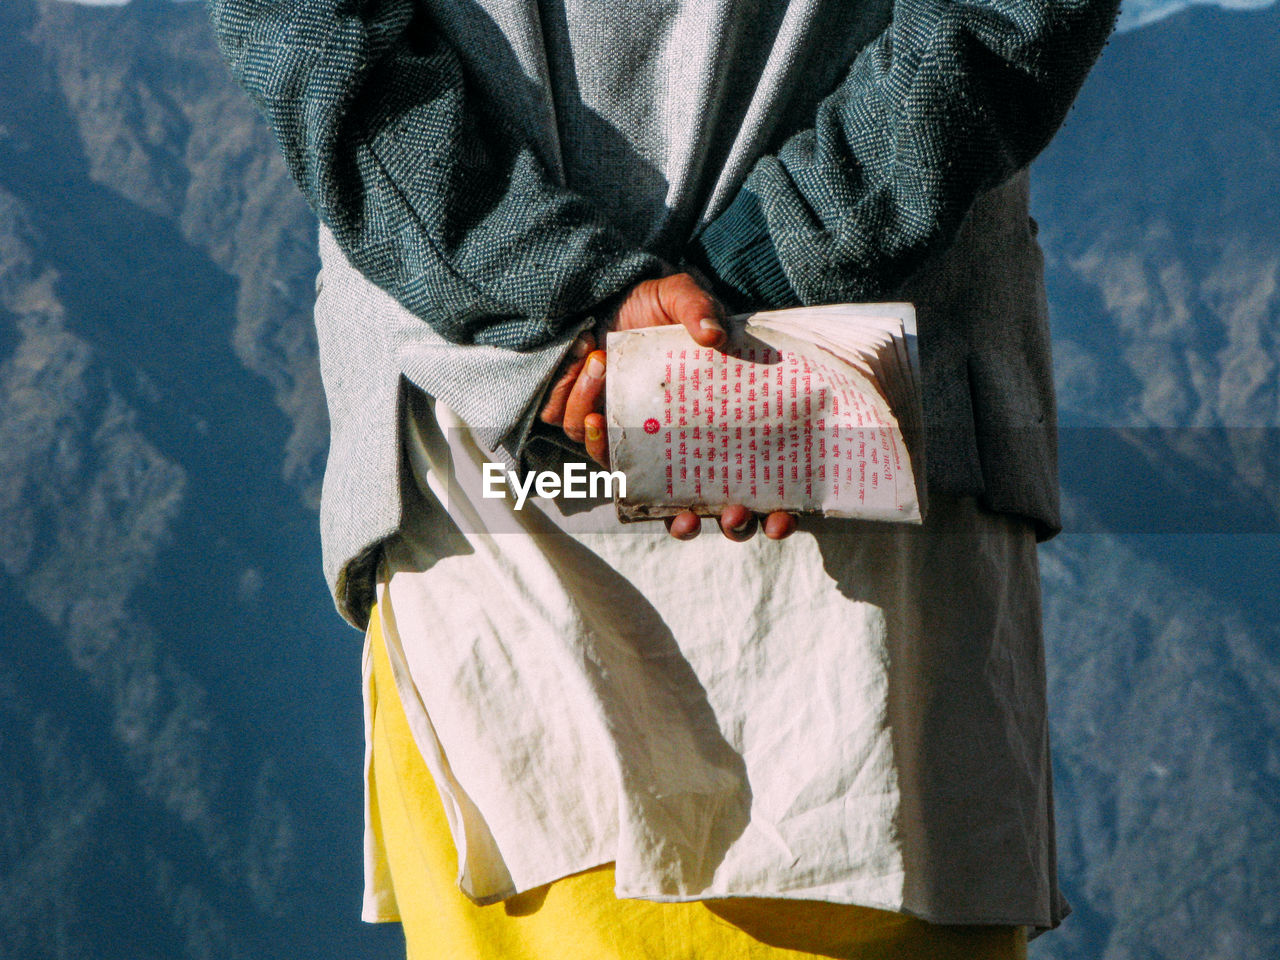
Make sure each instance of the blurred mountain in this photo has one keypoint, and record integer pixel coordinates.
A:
(1140, 13)
(1165, 708)
(1158, 213)
(175, 786)
(1160, 218)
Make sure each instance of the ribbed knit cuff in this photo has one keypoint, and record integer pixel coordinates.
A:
(735, 250)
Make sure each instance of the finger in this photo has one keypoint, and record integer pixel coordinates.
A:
(684, 526)
(737, 523)
(558, 397)
(597, 438)
(585, 396)
(687, 303)
(779, 525)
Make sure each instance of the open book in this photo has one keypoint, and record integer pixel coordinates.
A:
(814, 409)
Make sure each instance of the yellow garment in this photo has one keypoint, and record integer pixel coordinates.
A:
(578, 917)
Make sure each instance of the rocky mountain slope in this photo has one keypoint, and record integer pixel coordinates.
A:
(175, 784)
(1158, 212)
(1160, 219)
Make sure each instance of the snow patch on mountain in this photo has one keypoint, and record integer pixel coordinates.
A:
(1139, 13)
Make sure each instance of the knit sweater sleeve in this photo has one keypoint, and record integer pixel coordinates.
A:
(951, 99)
(450, 214)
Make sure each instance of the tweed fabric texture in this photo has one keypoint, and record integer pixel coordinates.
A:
(500, 168)
(430, 194)
(950, 100)
(439, 198)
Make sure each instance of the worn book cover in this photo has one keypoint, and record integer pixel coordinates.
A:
(813, 409)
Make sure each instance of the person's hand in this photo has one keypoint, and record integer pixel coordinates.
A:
(575, 399)
(577, 396)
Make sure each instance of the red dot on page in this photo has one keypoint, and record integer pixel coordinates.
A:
(651, 425)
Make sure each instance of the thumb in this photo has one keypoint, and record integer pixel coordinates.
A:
(685, 302)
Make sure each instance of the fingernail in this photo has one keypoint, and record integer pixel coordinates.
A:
(593, 432)
(708, 323)
(743, 525)
(595, 368)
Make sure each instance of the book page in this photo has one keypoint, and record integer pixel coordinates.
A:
(769, 421)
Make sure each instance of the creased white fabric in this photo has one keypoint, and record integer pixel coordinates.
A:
(856, 714)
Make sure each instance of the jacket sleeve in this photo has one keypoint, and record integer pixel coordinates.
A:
(454, 218)
(951, 99)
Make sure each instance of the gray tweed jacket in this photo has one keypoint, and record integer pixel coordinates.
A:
(490, 172)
